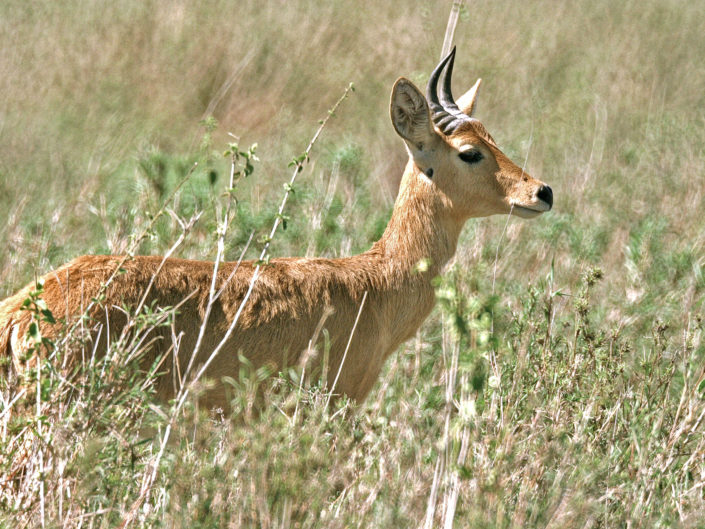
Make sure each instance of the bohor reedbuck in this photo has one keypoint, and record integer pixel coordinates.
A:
(368, 303)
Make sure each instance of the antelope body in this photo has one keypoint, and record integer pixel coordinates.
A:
(455, 171)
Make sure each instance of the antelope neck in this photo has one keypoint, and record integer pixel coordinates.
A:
(422, 228)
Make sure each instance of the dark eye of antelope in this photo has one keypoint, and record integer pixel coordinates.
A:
(471, 156)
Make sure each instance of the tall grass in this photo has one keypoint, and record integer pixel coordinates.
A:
(558, 384)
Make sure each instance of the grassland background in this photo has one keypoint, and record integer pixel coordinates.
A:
(101, 109)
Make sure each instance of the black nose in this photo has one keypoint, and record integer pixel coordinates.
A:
(546, 194)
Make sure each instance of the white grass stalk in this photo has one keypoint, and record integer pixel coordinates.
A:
(40, 437)
(347, 347)
(450, 27)
(222, 231)
(433, 496)
(452, 500)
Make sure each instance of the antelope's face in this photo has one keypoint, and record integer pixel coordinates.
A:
(456, 153)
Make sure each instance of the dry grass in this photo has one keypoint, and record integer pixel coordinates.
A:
(554, 404)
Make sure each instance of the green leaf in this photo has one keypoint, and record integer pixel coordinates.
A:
(48, 316)
(701, 389)
(33, 332)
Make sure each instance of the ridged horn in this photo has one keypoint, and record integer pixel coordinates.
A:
(445, 113)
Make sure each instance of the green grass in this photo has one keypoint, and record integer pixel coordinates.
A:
(559, 382)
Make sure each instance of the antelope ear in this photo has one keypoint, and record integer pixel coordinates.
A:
(411, 117)
(467, 102)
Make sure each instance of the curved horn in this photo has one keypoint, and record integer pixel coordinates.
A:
(446, 96)
(432, 87)
(445, 113)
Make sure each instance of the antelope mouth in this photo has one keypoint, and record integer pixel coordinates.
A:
(529, 212)
(526, 212)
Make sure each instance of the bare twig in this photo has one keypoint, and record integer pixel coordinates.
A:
(130, 252)
(151, 475)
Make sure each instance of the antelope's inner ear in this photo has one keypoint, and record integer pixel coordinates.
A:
(410, 115)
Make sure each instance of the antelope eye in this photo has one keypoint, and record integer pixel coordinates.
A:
(471, 156)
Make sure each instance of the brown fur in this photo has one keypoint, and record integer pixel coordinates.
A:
(291, 294)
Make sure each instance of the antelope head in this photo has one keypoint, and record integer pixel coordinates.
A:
(456, 153)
